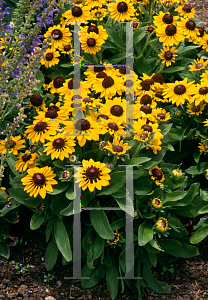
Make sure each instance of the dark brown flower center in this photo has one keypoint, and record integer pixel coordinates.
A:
(190, 25)
(83, 124)
(146, 109)
(87, 100)
(36, 100)
(203, 90)
(146, 99)
(201, 31)
(128, 83)
(195, 108)
(170, 30)
(122, 7)
(108, 82)
(58, 143)
(157, 173)
(54, 107)
(117, 149)
(26, 157)
(92, 173)
(147, 128)
(187, 8)
(40, 207)
(92, 28)
(39, 179)
(199, 66)
(103, 117)
(159, 95)
(58, 82)
(101, 74)
(76, 97)
(145, 84)
(179, 89)
(167, 18)
(65, 174)
(73, 84)
(40, 126)
(76, 11)
(150, 29)
(98, 69)
(157, 201)
(158, 78)
(124, 70)
(11, 144)
(113, 126)
(103, 144)
(52, 113)
(97, 13)
(67, 48)
(161, 116)
(56, 34)
(116, 110)
(144, 136)
(91, 42)
(168, 55)
(49, 56)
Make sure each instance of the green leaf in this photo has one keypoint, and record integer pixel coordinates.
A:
(108, 45)
(5, 210)
(4, 250)
(95, 274)
(142, 65)
(112, 281)
(165, 128)
(39, 76)
(139, 35)
(199, 235)
(178, 249)
(48, 229)
(51, 255)
(157, 286)
(117, 181)
(198, 169)
(37, 220)
(174, 196)
(143, 185)
(58, 204)
(98, 246)
(62, 239)
(203, 210)
(101, 224)
(173, 69)
(187, 50)
(117, 58)
(22, 197)
(70, 193)
(69, 210)
(145, 233)
(118, 224)
(115, 38)
(11, 162)
(137, 160)
(121, 193)
(3, 199)
(59, 188)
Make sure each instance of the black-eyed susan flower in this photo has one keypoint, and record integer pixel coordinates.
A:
(55, 112)
(56, 84)
(162, 224)
(85, 129)
(194, 109)
(202, 146)
(91, 42)
(200, 93)
(150, 29)
(161, 114)
(112, 125)
(60, 36)
(186, 10)
(198, 65)
(164, 19)
(156, 174)
(179, 91)
(167, 55)
(37, 102)
(157, 203)
(99, 30)
(114, 108)
(169, 35)
(99, 13)
(12, 145)
(41, 130)
(204, 42)
(50, 58)
(114, 240)
(117, 147)
(92, 175)
(66, 49)
(177, 173)
(71, 87)
(155, 143)
(26, 160)
(121, 10)
(109, 86)
(39, 181)
(204, 77)
(189, 29)
(60, 146)
(95, 3)
(79, 13)
(47, 81)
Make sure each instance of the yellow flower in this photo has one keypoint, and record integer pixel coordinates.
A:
(94, 3)
(196, 109)
(13, 144)
(60, 146)
(60, 36)
(118, 147)
(114, 240)
(99, 30)
(25, 161)
(122, 11)
(164, 19)
(200, 93)
(156, 174)
(177, 173)
(168, 56)
(186, 10)
(99, 14)
(39, 181)
(91, 42)
(202, 146)
(162, 224)
(78, 13)
(198, 65)
(157, 203)
(188, 27)
(169, 35)
(162, 115)
(92, 175)
(50, 58)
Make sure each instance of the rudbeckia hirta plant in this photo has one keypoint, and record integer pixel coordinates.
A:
(121, 10)
(60, 36)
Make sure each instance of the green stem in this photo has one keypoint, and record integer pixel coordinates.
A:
(121, 29)
(95, 59)
(107, 22)
(114, 161)
(137, 150)
(161, 68)
(145, 46)
(112, 24)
